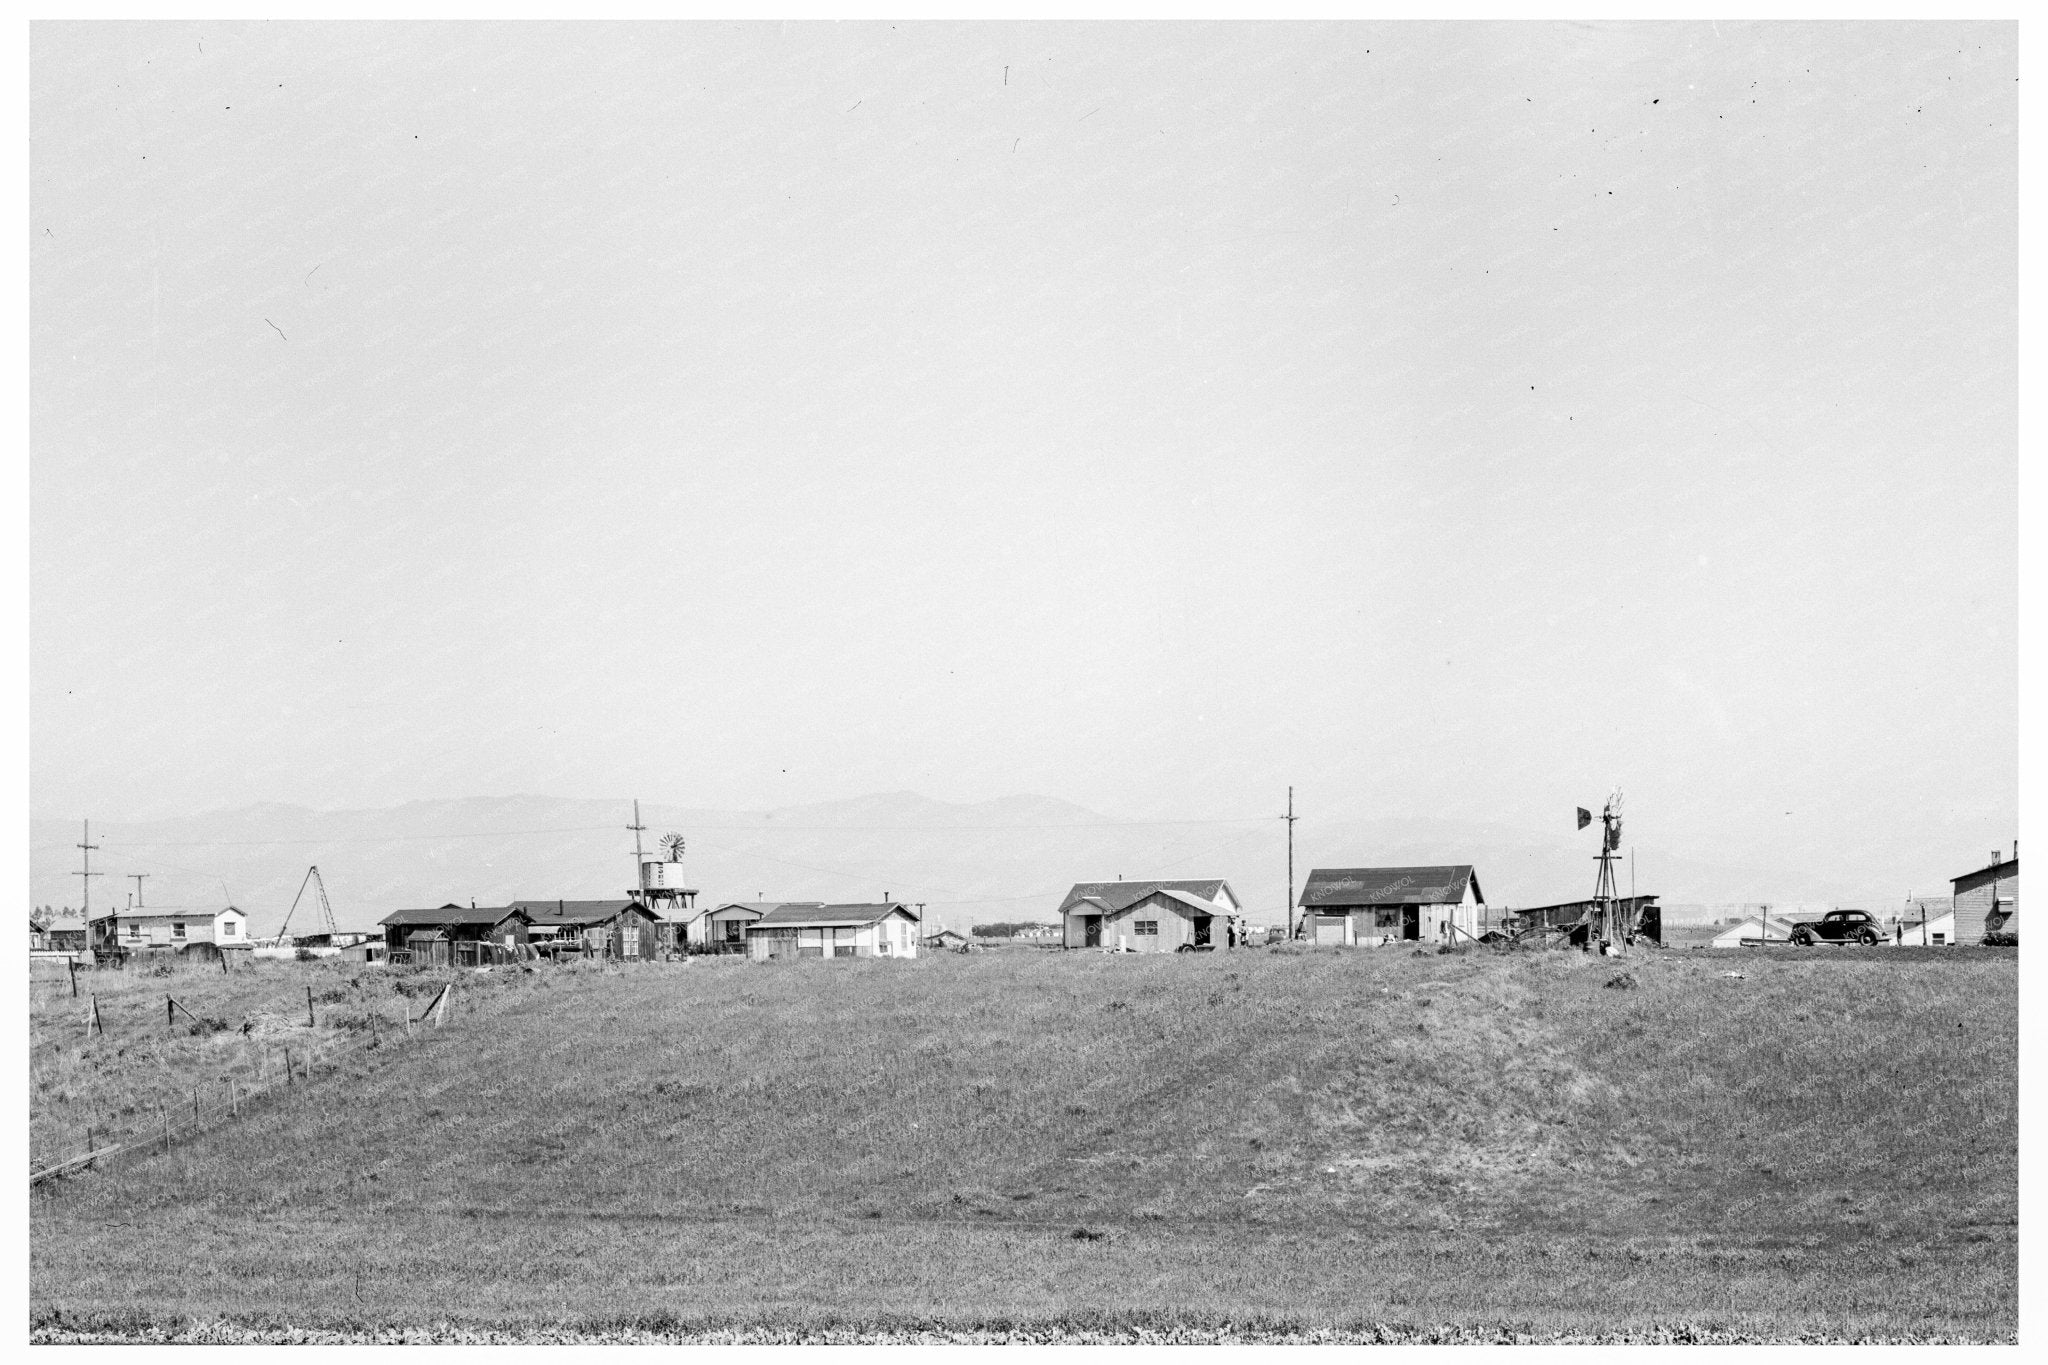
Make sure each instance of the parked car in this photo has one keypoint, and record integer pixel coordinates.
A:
(1839, 926)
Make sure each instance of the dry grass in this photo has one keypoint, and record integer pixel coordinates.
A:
(1315, 1137)
(235, 1027)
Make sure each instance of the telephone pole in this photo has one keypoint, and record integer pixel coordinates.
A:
(137, 877)
(639, 859)
(87, 874)
(1289, 818)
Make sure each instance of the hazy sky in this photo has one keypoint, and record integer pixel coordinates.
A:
(1448, 420)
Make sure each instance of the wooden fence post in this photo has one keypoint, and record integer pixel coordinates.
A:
(165, 1115)
(309, 1008)
(287, 1068)
(72, 963)
(195, 1108)
(88, 1146)
(170, 1018)
(223, 964)
(234, 1111)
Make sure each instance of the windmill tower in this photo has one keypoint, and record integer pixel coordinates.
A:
(661, 881)
(1614, 916)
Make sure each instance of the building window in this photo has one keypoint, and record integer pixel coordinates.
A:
(883, 947)
(135, 931)
(177, 928)
(1145, 926)
(227, 929)
(629, 940)
(1941, 938)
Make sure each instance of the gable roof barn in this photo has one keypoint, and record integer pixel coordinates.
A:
(1357, 886)
(1117, 896)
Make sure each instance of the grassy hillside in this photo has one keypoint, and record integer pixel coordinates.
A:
(235, 1027)
(1823, 1145)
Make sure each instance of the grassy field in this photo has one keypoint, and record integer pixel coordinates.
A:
(1825, 1146)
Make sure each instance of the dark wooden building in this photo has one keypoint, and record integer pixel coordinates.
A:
(625, 930)
(436, 936)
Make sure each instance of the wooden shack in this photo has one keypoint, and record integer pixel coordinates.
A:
(426, 937)
(1391, 905)
(623, 930)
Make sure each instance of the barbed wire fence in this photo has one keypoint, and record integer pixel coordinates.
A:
(219, 1103)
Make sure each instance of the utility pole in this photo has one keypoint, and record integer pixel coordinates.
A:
(137, 877)
(639, 859)
(87, 874)
(1289, 818)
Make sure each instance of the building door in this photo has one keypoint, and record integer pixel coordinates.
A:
(1201, 930)
(1091, 931)
(1411, 921)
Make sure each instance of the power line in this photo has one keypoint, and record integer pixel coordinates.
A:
(765, 827)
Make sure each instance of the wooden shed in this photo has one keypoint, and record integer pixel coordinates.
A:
(624, 930)
(1391, 905)
(439, 929)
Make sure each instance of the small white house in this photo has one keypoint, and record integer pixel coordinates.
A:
(139, 930)
(882, 929)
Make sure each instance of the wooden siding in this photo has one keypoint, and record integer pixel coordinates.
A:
(1983, 902)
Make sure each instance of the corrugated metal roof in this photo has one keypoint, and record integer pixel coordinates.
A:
(1444, 885)
(1116, 895)
(820, 916)
(450, 914)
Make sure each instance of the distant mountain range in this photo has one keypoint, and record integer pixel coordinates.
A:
(1007, 859)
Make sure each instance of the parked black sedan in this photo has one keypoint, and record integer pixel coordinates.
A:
(1840, 926)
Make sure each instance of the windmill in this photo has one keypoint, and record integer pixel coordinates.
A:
(1614, 918)
(661, 877)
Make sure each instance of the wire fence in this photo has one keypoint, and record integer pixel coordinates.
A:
(224, 1102)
